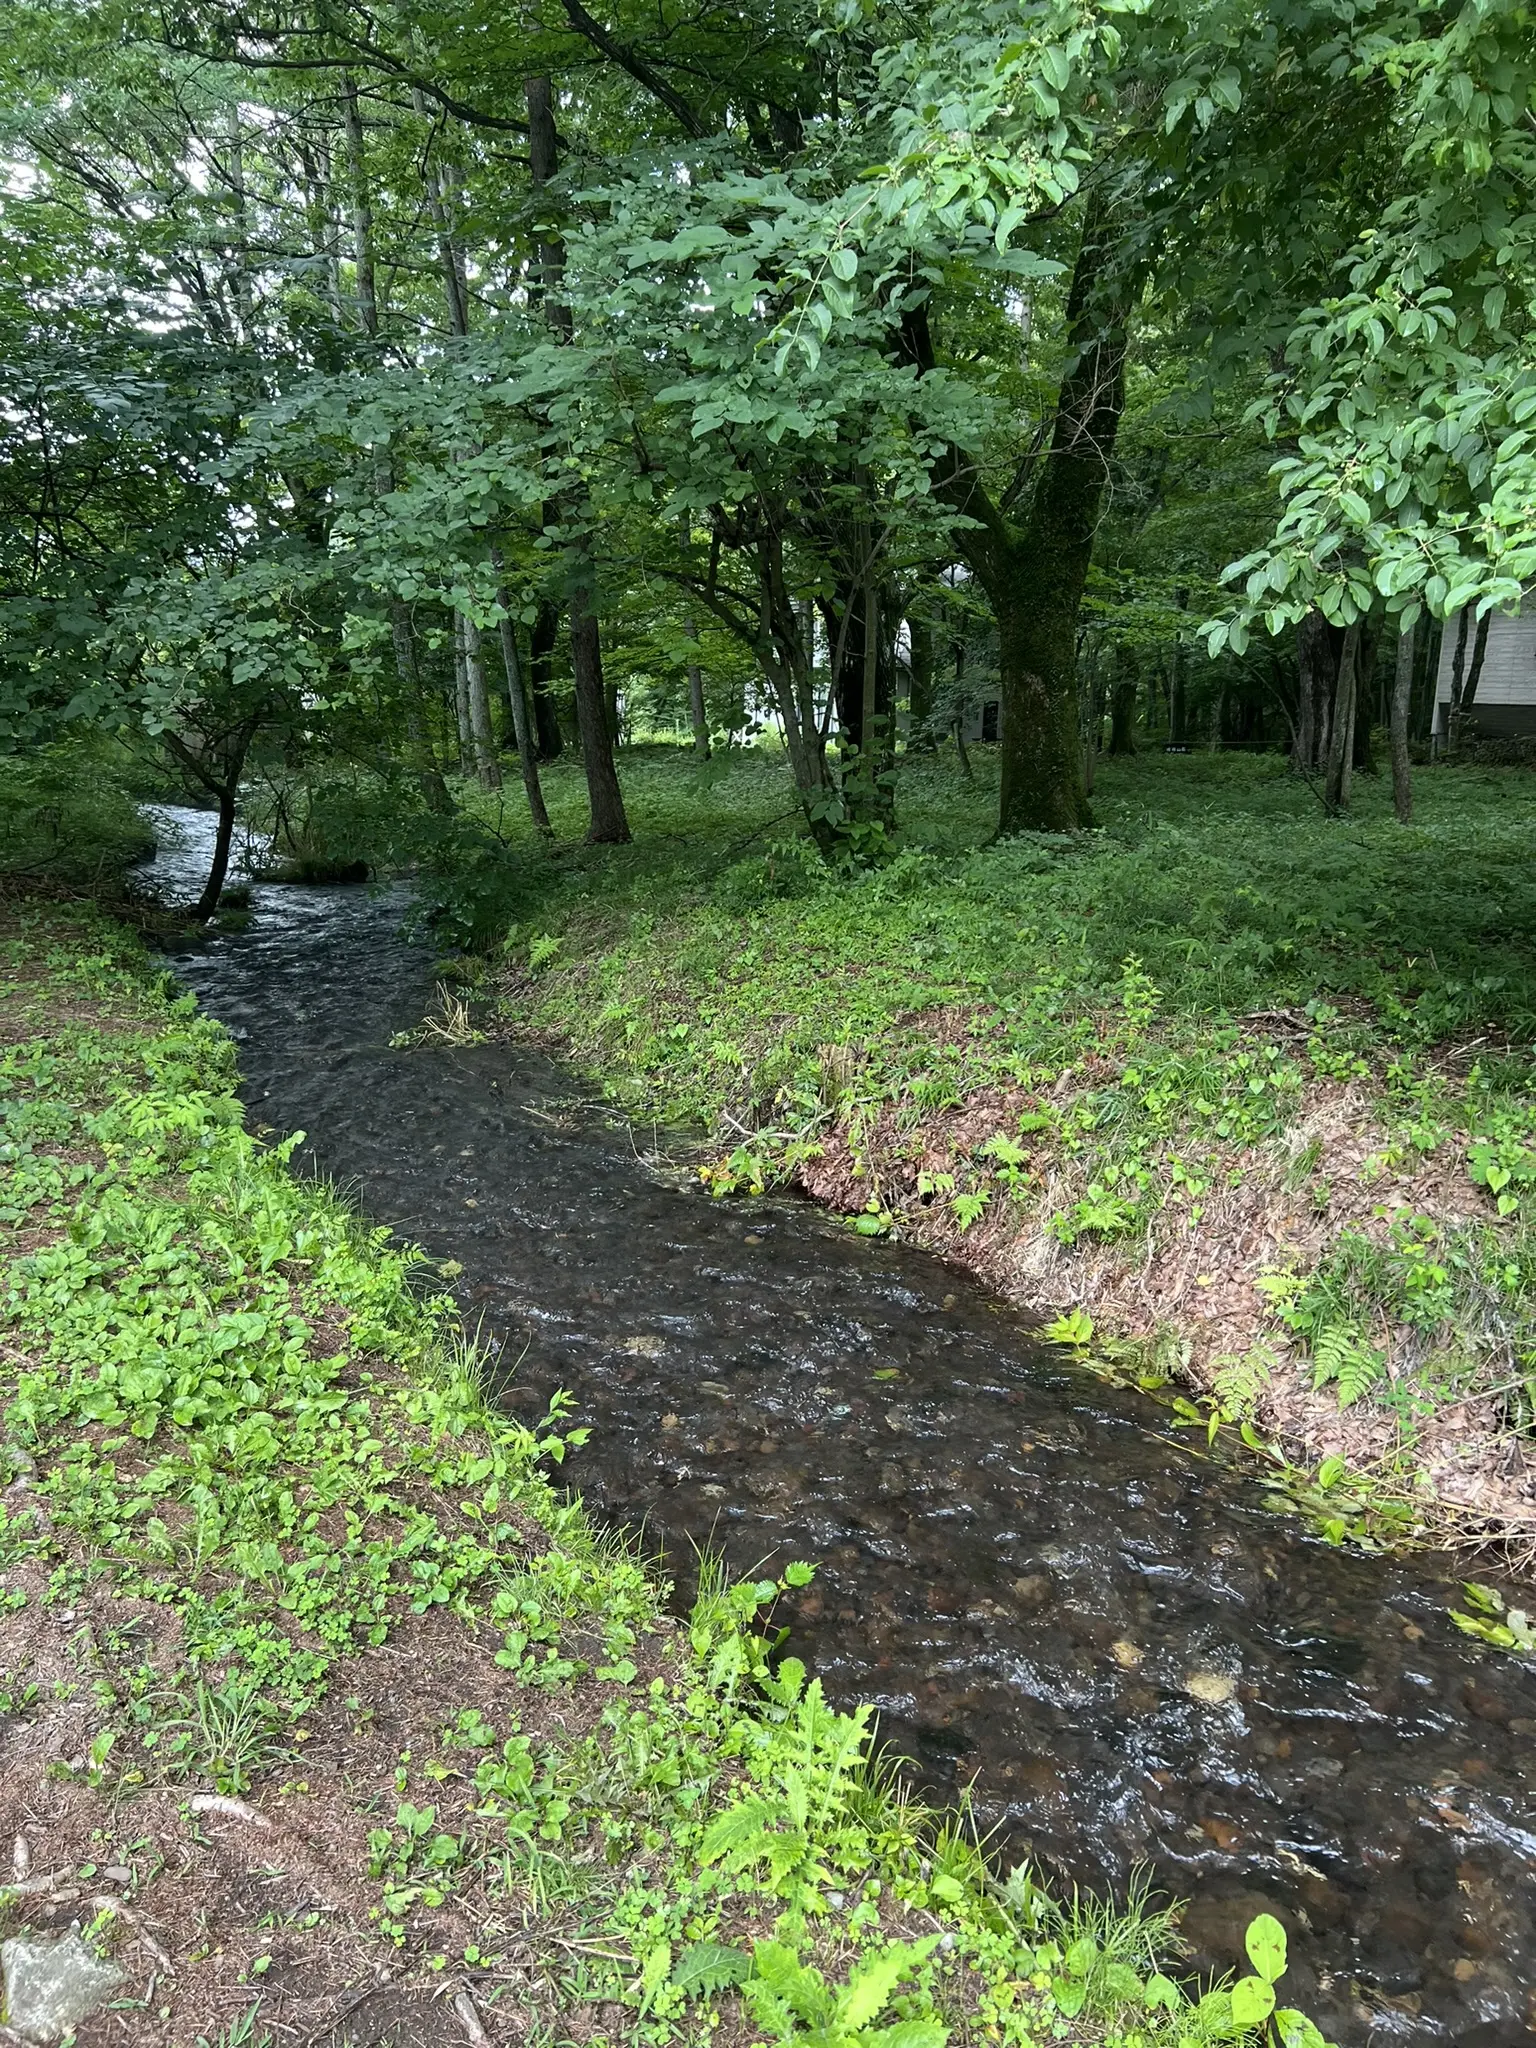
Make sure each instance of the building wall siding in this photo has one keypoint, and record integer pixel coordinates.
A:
(1509, 664)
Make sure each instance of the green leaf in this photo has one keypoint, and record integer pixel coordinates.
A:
(1082, 1956)
(1252, 2001)
(871, 1985)
(1071, 1995)
(734, 1829)
(1296, 2030)
(845, 264)
(911, 2034)
(1265, 1943)
(706, 1966)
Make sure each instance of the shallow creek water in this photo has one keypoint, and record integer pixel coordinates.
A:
(1137, 1661)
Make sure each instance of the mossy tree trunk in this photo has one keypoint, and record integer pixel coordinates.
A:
(1034, 570)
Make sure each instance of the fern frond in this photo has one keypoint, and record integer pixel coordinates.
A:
(1240, 1383)
(1341, 1356)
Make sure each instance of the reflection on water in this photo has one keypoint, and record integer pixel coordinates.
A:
(1134, 1659)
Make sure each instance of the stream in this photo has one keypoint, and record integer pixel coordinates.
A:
(1137, 1661)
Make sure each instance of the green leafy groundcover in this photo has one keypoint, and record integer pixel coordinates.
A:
(228, 1398)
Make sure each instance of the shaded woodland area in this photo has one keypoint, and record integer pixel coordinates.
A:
(411, 395)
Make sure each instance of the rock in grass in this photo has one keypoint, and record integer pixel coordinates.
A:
(51, 1986)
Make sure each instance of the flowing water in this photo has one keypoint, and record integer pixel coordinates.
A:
(1136, 1661)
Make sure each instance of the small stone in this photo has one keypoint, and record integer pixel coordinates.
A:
(1222, 1833)
(669, 1422)
(1210, 1688)
(643, 1347)
(1126, 1655)
(51, 1986)
(118, 1873)
(1464, 1969)
(21, 1856)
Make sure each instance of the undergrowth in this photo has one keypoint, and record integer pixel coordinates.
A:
(243, 1438)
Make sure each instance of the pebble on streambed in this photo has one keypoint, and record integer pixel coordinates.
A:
(1210, 1688)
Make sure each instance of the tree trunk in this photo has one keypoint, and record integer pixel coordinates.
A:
(1427, 679)
(533, 789)
(1042, 784)
(225, 790)
(461, 702)
(1035, 578)
(1341, 734)
(223, 838)
(1397, 728)
(1459, 658)
(1122, 716)
(1316, 667)
(869, 680)
(487, 767)
(362, 211)
(595, 718)
(920, 697)
(541, 648)
(609, 826)
(1041, 748)
(1475, 672)
(696, 705)
(428, 775)
(1365, 671)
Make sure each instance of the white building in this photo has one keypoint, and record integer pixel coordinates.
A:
(1505, 703)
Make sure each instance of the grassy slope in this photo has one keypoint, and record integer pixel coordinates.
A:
(1252, 1085)
(316, 1692)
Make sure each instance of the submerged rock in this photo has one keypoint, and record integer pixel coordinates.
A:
(52, 1985)
(1211, 1688)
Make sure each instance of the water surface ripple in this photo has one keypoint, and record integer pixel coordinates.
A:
(1134, 1658)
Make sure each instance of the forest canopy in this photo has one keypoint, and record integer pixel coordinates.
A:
(417, 386)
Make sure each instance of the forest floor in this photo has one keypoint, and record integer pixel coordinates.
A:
(1240, 1095)
(326, 1717)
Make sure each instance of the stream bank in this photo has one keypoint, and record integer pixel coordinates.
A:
(325, 1715)
(1248, 1087)
(1135, 1658)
